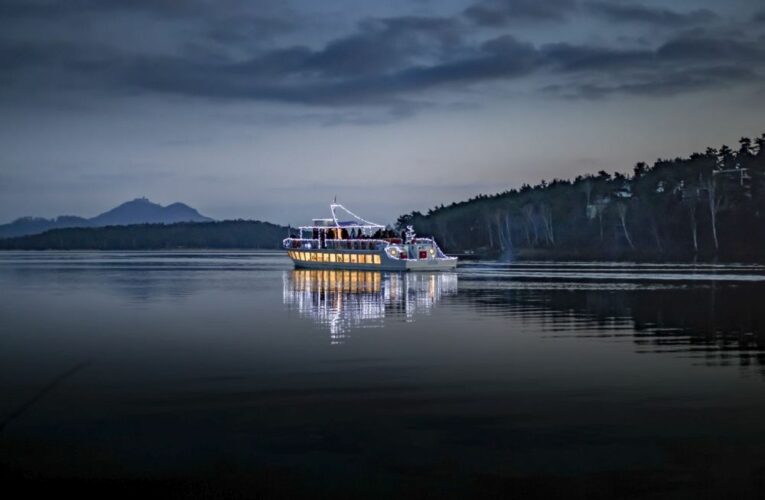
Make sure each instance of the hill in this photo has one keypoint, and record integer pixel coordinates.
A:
(138, 211)
(710, 205)
(223, 234)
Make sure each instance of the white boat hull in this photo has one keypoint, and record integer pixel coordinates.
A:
(382, 263)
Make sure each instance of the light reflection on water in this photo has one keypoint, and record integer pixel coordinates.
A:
(343, 300)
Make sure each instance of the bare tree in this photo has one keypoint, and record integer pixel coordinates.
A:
(656, 235)
(547, 222)
(621, 210)
(691, 200)
(508, 228)
(692, 204)
(490, 231)
(714, 202)
(600, 211)
(503, 231)
(528, 213)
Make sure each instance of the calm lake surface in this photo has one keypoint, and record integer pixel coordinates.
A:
(231, 372)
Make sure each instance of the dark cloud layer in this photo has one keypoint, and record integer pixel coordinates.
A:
(636, 13)
(501, 12)
(385, 61)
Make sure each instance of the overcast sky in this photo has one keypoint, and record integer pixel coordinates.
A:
(268, 109)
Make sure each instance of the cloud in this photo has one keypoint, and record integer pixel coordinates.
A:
(501, 12)
(391, 62)
(683, 64)
(710, 49)
(299, 75)
(663, 84)
(385, 44)
(759, 16)
(637, 13)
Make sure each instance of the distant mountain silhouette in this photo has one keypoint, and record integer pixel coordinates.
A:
(138, 211)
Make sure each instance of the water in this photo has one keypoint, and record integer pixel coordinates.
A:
(231, 372)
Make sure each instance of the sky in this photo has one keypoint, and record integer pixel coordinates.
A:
(268, 109)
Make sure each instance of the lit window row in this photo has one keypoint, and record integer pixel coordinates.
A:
(340, 258)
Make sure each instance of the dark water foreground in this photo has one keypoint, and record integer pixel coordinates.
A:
(230, 374)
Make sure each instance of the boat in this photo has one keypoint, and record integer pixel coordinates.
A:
(351, 242)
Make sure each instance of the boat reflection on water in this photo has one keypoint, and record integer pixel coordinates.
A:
(341, 300)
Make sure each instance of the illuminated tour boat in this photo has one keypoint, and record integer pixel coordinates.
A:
(356, 243)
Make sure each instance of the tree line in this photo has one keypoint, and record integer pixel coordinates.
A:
(225, 234)
(710, 205)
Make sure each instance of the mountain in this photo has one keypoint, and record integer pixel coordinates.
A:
(138, 211)
(143, 211)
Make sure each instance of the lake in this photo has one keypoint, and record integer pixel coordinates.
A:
(191, 373)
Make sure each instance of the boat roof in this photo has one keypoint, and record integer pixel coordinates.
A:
(354, 222)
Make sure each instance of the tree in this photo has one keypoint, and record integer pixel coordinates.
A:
(714, 203)
(621, 211)
(547, 222)
(640, 169)
(679, 208)
(690, 198)
(528, 214)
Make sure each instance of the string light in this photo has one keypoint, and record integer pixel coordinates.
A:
(412, 248)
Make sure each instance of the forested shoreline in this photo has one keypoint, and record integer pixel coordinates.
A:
(243, 234)
(708, 206)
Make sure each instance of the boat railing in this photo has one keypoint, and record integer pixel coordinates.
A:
(356, 244)
(345, 244)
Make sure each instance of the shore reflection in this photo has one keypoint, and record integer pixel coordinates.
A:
(341, 300)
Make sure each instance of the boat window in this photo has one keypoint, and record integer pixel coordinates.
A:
(354, 258)
(332, 257)
(375, 259)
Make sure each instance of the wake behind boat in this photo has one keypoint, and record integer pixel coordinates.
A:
(356, 243)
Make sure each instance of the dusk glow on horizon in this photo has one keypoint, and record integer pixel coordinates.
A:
(269, 109)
